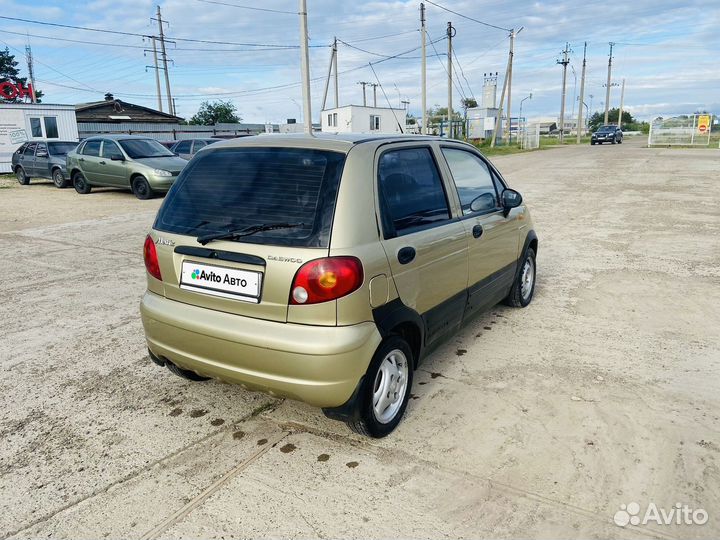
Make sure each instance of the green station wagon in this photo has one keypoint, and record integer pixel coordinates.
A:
(325, 268)
(140, 164)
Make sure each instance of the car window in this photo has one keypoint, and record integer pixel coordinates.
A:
(92, 148)
(473, 180)
(21, 149)
(234, 188)
(183, 147)
(411, 190)
(499, 186)
(30, 150)
(41, 150)
(110, 150)
(144, 148)
(61, 148)
(197, 145)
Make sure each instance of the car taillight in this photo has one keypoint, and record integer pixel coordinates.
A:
(326, 279)
(151, 258)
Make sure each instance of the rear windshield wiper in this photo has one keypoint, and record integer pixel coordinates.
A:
(245, 231)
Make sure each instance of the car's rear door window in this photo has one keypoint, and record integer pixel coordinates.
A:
(232, 188)
(411, 191)
(91, 148)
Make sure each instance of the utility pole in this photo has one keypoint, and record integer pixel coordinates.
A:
(565, 61)
(334, 66)
(582, 94)
(163, 54)
(498, 117)
(622, 97)
(305, 66)
(423, 75)
(450, 34)
(374, 85)
(509, 85)
(31, 72)
(364, 84)
(333, 52)
(607, 88)
(157, 74)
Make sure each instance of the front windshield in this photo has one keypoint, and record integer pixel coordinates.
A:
(61, 148)
(144, 148)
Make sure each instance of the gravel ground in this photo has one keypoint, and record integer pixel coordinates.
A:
(529, 423)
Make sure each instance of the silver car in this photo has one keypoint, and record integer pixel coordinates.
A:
(43, 159)
(188, 148)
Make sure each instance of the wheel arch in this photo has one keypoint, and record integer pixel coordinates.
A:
(395, 318)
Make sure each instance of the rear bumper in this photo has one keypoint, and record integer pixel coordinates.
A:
(320, 365)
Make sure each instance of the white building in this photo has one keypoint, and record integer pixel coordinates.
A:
(361, 119)
(20, 122)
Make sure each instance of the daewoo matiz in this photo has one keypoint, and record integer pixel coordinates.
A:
(324, 268)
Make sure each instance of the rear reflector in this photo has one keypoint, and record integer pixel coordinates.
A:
(326, 279)
(151, 259)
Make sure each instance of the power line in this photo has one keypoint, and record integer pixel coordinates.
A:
(468, 18)
(457, 61)
(148, 36)
(249, 7)
(386, 98)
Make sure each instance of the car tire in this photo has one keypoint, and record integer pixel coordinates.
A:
(59, 180)
(385, 390)
(592, 143)
(80, 184)
(141, 188)
(614, 141)
(22, 178)
(185, 373)
(523, 289)
(620, 141)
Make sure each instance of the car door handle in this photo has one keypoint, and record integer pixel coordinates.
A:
(102, 163)
(406, 255)
(81, 159)
(477, 231)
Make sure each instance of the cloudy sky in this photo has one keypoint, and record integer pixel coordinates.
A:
(666, 50)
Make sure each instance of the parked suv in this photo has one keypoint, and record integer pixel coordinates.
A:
(325, 268)
(189, 147)
(42, 159)
(137, 163)
(611, 134)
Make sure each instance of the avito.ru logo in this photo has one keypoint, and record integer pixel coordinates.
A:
(680, 514)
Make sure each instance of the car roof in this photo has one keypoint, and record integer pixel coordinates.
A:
(118, 136)
(328, 141)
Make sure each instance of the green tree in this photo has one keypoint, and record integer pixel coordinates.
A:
(598, 118)
(10, 73)
(469, 103)
(217, 112)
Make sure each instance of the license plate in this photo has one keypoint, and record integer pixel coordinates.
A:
(221, 281)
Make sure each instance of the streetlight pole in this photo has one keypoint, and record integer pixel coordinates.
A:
(520, 118)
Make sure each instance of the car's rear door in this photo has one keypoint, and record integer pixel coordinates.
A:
(90, 162)
(492, 235)
(27, 159)
(426, 246)
(183, 149)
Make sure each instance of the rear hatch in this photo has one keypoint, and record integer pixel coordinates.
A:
(289, 191)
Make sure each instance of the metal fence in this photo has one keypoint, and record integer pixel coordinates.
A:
(684, 130)
(530, 136)
(168, 132)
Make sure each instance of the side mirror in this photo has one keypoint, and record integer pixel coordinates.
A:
(510, 199)
(117, 158)
(486, 201)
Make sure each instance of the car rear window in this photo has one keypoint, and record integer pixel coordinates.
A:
(232, 188)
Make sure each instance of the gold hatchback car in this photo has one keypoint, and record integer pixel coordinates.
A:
(325, 268)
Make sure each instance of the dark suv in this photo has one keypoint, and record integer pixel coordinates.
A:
(611, 134)
(42, 159)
